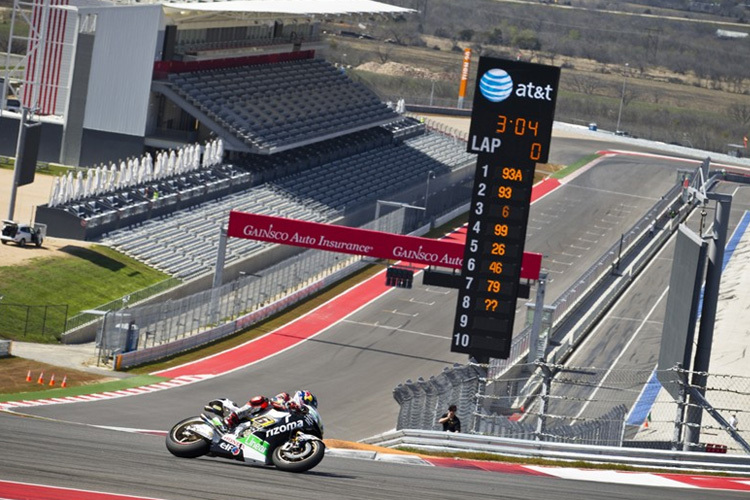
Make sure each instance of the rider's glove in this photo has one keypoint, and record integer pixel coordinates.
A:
(294, 407)
(232, 420)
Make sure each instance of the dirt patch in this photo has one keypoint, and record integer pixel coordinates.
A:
(27, 199)
(350, 445)
(14, 371)
(391, 68)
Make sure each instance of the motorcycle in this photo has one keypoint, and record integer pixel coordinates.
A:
(290, 440)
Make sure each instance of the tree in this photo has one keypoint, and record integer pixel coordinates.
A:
(495, 37)
(527, 39)
(466, 35)
(740, 113)
(585, 84)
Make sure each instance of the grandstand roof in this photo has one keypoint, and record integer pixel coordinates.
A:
(290, 7)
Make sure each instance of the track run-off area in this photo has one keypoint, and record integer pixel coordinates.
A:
(351, 352)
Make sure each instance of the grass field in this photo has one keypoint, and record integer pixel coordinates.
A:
(84, 279)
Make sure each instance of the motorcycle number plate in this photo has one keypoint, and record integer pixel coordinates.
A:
(262, 421)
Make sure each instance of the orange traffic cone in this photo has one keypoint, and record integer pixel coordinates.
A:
(40, 380)
(52, 381)
(64, 383)
(28, 376)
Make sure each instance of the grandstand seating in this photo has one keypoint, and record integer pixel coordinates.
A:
(274, 107)
(185, 243)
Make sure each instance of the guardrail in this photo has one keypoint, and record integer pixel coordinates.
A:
(640, 457)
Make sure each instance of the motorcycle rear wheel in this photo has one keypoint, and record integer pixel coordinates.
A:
(300, 458)
(185, 444)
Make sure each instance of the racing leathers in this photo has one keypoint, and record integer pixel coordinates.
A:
(257, 406)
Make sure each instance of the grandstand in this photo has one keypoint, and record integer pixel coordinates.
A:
(185, 244)
(298, 137)
(276, 107)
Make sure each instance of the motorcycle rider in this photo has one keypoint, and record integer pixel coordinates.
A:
(260, 404)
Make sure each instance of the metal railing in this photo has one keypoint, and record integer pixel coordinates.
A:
(239, 302)
(455, 442)
(566, 303)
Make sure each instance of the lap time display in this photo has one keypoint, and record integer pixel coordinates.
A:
(510, 131)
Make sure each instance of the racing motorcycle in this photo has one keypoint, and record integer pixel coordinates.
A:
(290, 440)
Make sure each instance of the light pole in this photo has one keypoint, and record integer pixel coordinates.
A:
(430, 175)
(622, 98)
(432, 92)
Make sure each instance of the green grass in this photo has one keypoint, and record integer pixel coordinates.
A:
(114, 385)
(84, 279)
(575, 166)
(8, 163)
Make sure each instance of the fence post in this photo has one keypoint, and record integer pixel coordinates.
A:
(680, 413)
(541, 425)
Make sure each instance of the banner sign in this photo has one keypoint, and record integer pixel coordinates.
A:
(356, 241)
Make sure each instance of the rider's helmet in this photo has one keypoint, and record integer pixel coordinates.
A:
(306, 397)
(280, 400)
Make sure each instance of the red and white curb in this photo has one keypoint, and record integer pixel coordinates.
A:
(134, 391)
(691, 481)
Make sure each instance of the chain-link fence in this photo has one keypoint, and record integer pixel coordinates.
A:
(33, 323)
(581, 405)
(566, 302)
(150, 325)
(132, 298)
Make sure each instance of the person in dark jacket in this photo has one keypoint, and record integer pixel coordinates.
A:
(450, 421)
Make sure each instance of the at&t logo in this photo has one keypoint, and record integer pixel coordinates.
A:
(496, 85)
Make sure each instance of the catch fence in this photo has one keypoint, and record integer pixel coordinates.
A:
(636, 246)
(580, 405)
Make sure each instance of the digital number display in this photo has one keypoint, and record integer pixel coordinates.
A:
(514, 108)
(511, 128)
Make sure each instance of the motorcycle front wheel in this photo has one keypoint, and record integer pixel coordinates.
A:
(183, 443)
(298, 456)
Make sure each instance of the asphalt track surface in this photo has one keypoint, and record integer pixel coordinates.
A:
(629, 336)
(352, 367)
(137, 465)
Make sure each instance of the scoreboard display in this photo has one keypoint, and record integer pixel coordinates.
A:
(511, 129)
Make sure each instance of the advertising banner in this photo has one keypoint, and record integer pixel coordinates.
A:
(414, 249)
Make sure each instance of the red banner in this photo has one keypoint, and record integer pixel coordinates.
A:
(442, 253)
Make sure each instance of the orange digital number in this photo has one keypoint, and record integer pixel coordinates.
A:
(534, 127)
(504, 192)
(506, 211)
(536, 151)
(498, 249)
(502, 121)
(496, 267)
(501, 230)
(493, 286)
(512, 174)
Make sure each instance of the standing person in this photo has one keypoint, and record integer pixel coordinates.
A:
(733, 421)
(450, 421)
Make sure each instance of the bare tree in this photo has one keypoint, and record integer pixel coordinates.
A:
(384, 52)
(740, 112)
(585, 84)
